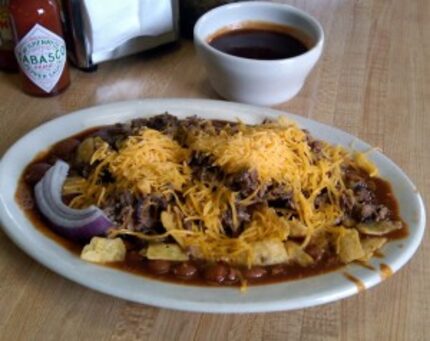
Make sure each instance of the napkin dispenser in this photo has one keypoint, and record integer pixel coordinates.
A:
(99, 31)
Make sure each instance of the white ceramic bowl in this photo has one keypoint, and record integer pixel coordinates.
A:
(263, 82)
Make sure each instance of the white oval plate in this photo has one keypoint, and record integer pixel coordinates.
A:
(272, 297)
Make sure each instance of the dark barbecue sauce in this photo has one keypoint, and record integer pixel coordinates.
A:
(262, 41)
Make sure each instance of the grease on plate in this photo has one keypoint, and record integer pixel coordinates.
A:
(358, 283)
(385, 271)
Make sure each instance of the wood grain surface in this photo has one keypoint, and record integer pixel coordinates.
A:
(373, 81)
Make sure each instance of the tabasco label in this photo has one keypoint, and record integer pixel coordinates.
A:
(42, 55)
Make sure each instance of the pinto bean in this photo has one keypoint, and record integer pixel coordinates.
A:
(64, 148)
(217, 273)
(35, 172)
(159, 266)
(255, 272)
(315, 252)
(277, 270)
(185, 270)
(232, 276)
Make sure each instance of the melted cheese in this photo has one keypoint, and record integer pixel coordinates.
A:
(149, 162)
(145, 163)
(279, 152)
(206, 203)
(271, 152)
(213, 245)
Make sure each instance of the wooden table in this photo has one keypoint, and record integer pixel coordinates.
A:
(373, 81)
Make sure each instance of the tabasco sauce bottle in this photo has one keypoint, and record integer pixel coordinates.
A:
(40, 48)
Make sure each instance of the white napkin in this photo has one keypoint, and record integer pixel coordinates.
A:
(109, 24)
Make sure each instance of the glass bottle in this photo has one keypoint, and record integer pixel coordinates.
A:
(40, 48)
(7, 57)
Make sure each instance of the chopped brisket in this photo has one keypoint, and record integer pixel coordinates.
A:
(243, 216)
(203, 167)
(147, 212)
(244, 182)
(137, 214)
(347, 201)
(118, 208)
(278, 196)
(363, 195)
(321, 199)
(114, 135)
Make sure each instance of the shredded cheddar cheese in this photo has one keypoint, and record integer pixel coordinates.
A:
(151, 162)
(206, 203)
(279, 152)
(145, 163)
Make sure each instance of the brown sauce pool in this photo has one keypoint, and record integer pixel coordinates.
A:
(260, 40)
(134, 264)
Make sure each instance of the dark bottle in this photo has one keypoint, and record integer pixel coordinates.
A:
(7, 56)
(191, 10)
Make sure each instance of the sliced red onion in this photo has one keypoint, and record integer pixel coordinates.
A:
(71, 223)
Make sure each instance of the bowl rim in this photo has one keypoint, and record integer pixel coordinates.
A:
(202, 41)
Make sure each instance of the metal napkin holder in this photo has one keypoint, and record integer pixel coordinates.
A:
(78, 42)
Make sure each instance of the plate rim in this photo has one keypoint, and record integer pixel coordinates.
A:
(215, 307)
